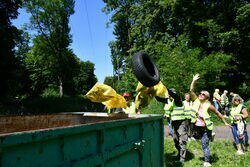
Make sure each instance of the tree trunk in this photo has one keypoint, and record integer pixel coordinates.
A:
(60, 86)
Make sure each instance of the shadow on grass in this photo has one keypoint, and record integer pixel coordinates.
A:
(213, 158)
(172, 160)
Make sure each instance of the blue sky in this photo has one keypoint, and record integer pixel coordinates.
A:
(89, 34)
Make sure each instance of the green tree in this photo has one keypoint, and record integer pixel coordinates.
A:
(86, 78)
(177, 66)
(22, 76)
(50, 19)
(9, 61)
(183, 37)
(111, 81)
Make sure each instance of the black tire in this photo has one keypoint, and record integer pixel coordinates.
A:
(145, 69)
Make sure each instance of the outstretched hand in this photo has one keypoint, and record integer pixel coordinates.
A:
(228, 125)
(196, 77)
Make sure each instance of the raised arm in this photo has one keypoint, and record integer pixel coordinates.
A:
(213, 109)
(195, 78)
(192, 94)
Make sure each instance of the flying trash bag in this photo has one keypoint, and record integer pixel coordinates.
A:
(106, 95)
(146, 94)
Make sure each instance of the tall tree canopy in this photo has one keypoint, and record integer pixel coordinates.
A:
(9, 35)
(184, 37)
(51, 63)
(50, 19)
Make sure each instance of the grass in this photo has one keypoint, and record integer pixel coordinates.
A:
(222, 155)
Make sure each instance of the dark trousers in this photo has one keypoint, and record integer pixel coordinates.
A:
(180, 137)
(205, 135)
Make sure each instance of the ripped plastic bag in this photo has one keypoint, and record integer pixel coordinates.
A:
(146, 94)
(106, 95)
(241, 129)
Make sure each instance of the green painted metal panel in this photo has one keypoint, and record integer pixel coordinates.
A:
(108, 142)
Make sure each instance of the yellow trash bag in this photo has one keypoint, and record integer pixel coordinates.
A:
(146, 94)
(106, 95)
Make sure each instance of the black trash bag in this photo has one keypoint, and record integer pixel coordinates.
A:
(145, 69)
(175, 96)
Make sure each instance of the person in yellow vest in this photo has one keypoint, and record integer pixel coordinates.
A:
(224, 103)
(131, 109)
(216, 99)
(168, 102)
(203, 125)
(238, 116)
(179, 122)
(187, 103)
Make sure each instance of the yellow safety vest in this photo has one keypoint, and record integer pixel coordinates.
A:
(176, 113)
(222, 100)
(206, 116)
(216, 95)
(168, 107)
(236, 111)
(187, 109)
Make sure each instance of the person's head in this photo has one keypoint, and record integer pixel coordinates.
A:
(225, 92)
(187, 96)
(231, 94)
(236, 100)
(126, 96)
(204, 95)
(217, 90)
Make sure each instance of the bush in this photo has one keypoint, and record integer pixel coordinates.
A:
(154, 107)
(248, 105)
(50, 92)
(44, 105)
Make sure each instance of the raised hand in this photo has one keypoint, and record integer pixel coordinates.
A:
(196, 77)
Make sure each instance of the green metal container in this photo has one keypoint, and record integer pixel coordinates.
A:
(81, 140)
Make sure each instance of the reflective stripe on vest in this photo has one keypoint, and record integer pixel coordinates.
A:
(131, 109)
(235, 111)
(206, 116)
(168, 108)
(178, 113)
(187, 109)
(223, 96)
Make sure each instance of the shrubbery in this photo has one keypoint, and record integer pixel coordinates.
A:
(40, 105)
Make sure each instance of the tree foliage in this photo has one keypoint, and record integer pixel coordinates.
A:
(184, 38)
(52, 65)
(51, 19)
(86, 78)
(9, 62)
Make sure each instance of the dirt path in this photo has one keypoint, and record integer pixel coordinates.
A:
(221, 132)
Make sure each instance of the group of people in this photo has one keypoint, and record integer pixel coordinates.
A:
(222, 103)
(191, 118)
